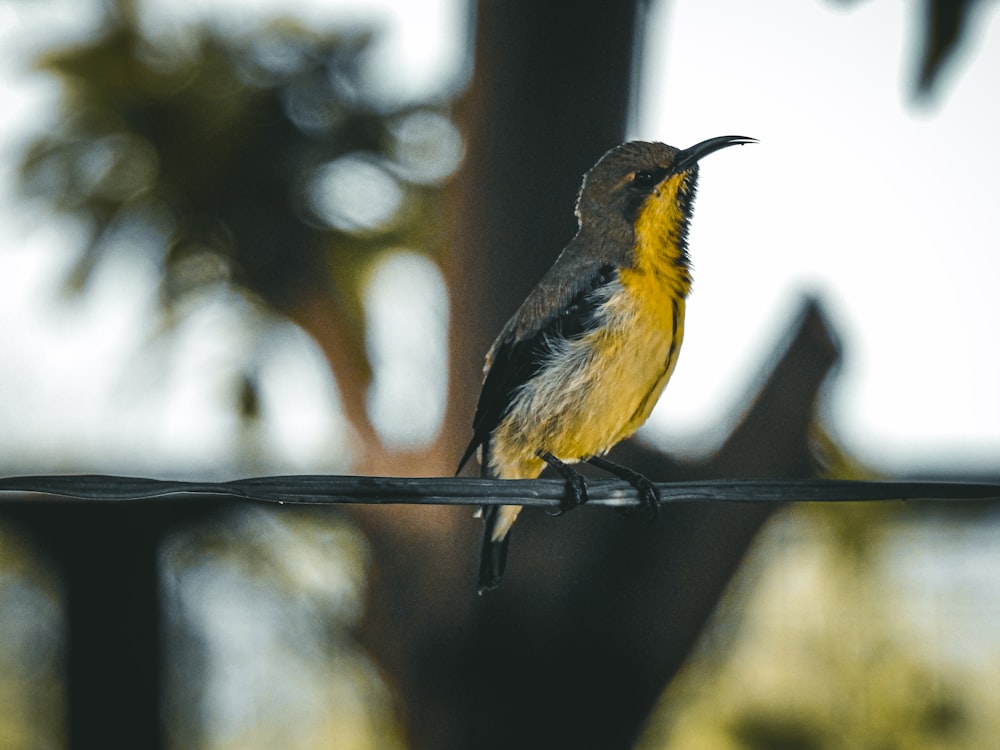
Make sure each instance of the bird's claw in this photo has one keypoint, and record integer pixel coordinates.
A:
(574, 494)
(575, 490)
(649, 496)
(649, 499)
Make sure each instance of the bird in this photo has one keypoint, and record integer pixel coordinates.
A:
(582, 362)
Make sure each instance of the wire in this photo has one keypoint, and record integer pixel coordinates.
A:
(545, 493)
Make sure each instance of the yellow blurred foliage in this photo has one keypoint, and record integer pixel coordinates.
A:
(820, 643)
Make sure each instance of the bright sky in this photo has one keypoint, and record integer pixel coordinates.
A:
(879, 207)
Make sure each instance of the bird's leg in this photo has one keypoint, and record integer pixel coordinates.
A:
(649, 496)
(576, 484)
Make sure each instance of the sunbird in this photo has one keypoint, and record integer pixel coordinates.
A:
(583, 361)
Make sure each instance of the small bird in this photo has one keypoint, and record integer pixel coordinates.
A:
(581, 364)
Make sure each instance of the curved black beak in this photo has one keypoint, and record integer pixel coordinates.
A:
(690, 156)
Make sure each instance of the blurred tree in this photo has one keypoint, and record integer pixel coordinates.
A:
(257, 163)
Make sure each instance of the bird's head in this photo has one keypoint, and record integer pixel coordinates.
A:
(627, 176)
(646, 186)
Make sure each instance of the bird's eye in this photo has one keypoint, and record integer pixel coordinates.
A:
(646, 179)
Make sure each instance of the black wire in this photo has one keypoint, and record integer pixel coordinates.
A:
(333, 489)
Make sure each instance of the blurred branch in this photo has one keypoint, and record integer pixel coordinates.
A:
(946, 24)
(945, 28)
(542, 493)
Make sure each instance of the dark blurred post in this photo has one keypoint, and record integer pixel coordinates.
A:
(114, 675)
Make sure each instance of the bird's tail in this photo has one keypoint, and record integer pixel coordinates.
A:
(496, 536)
(493, 553)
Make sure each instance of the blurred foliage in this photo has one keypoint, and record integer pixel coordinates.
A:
(259, 161)
(945, 26)
(32, 709)
(266, 164)
(261, 608)
(817, 647)
(818, 644)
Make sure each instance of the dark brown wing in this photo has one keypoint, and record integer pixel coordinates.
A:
(516, 360)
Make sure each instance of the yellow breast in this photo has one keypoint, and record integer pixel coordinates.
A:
(597, 390)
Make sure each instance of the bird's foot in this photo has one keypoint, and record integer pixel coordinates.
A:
(575, 492)
(649, 496)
